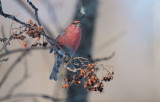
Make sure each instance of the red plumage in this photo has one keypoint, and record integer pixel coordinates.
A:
(71, 36)
(69, 40)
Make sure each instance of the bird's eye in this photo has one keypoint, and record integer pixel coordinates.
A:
(78, 25)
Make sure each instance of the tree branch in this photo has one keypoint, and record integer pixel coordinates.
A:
(12, 67)
(30, 95)
(10, 16)
(6, 59)
(22, 50)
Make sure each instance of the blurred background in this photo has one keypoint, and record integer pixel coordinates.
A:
(130, 28)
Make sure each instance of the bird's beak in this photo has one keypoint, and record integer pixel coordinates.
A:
(78, 24)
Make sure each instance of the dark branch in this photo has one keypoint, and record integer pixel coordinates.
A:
(21, 81)
(4, 60)
(49, 39)
(6, 43)
(3, 39)
(30, 95)
(105, 58)
(10, 16)
(23, 4)
(12, 67)
(3, 35)
(36, 12)
(22, 50)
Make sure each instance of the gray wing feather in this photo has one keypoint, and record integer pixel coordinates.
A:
(57, 65)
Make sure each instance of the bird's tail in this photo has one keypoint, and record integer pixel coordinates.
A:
(55, 72)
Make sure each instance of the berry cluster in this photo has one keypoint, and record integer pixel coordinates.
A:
(90, 79)
(31, 30)
(34, 31)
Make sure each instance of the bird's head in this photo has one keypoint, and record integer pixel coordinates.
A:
(75, 27)
(76, 23)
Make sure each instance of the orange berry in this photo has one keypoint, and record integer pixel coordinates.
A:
(41, 27)
(38, 38)
(30, 21)
(38, 29)
(82, 71)
(24, 44)
(93, 77)
(79, 82)
(89, 83)
(67, 85)
(24, 47)
(111, 77)
(94, 81)
(92, 70)
(89, 65)
(101, 85)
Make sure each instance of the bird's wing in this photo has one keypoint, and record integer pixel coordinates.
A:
(61, 34)
(57, 65)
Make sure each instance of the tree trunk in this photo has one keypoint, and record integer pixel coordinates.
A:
(78, 93)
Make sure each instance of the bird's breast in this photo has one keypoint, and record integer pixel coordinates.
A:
(70, 40)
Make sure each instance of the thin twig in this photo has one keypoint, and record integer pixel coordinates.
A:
(23, 4)
(12, 67)
(3, 39)
(10, 16)
(49, 39)
(6, 43)
(105, 58)
(22, 50)
(21, 81)
(4, 60)
(36, 11)
(18, 95)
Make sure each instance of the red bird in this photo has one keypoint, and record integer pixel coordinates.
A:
(69, 40)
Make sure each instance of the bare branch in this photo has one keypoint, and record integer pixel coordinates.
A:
(105, 58)
(12, 67)
(21, 81)
(49, 39)
(6, 43)
(3, 39)
(20, 95)
(22, 50)
(4, 60)
(21, 3)
(36, 12)
(10, 16)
